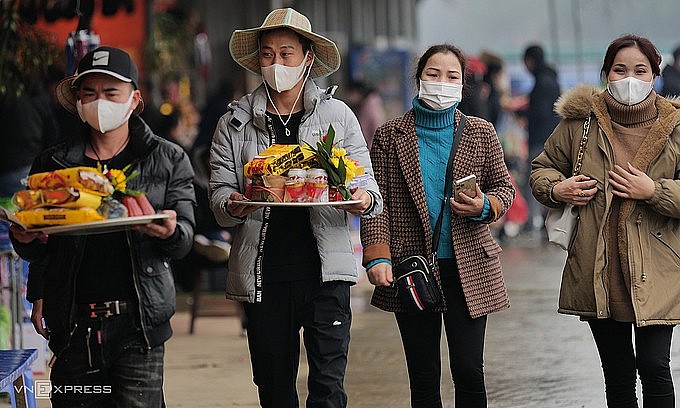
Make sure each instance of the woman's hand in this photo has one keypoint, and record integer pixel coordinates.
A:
(631, 183)
(469, 206)
(239, 210)
(380, 274)
(576, 190)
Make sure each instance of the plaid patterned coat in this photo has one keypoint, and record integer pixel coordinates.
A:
(403, 229)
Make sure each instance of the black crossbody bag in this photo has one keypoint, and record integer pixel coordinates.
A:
(414, 276)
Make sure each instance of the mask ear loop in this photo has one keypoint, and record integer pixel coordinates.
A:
(311, 48)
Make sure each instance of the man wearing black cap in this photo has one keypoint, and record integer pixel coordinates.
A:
(107, 299)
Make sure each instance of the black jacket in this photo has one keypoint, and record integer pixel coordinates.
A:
(671, 82)
(540, 115)
(29, 125)
(166, 177)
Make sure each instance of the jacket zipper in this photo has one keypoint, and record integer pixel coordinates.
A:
(664, 243)
(638, 222)
(71, 307)
(643, 275)
(135, 280)
(68, 343)
(87, 341)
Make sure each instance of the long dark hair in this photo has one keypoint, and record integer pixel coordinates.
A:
(631, 40)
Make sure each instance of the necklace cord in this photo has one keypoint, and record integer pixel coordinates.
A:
(99, 159)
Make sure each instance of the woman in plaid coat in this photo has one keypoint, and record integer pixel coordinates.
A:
(409, 155)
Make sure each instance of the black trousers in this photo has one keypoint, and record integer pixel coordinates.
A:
(421, 334)
(621, 363)
(323, 312)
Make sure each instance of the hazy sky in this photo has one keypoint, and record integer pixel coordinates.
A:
(580, 32)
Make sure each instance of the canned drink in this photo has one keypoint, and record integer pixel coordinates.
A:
(317, 185)
(296, 191)
(296, 176)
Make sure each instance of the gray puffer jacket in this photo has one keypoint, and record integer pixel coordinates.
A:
(244, 132)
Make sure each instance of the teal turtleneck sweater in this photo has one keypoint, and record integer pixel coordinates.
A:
(435, 130)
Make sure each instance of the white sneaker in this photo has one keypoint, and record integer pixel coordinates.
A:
(215, 251)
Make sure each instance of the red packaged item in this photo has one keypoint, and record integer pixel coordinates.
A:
(145, 205)
(134, 210)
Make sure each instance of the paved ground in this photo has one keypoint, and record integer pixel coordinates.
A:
(535, 358)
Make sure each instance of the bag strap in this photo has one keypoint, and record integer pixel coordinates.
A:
(448, 184)
(582, 147)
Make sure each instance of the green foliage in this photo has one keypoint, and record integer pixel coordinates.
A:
(25, 53)
(334, 166)
(166, 51)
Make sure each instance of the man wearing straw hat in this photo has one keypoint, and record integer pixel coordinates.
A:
(292, 267)
(107, 298)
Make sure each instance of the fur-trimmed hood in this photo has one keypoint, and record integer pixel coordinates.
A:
(577, 103)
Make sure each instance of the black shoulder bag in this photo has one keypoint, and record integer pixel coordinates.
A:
(414, 276)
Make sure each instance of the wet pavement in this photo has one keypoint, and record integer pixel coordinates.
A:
(534, 356)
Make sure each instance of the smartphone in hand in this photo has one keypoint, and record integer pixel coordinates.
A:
(466, 185)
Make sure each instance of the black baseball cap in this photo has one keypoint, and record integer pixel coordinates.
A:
(111, 61)
(106, 60)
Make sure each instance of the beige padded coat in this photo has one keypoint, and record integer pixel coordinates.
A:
(648, 231)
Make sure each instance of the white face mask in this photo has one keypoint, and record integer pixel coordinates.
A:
(439, 95)
(105, 115)
(282, 78)
(630, 90)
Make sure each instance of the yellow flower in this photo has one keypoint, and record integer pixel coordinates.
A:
(339, 152)
(350, 170)
(335, 161)
(118, 179)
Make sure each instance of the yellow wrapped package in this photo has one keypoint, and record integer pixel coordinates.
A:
(68, 197)
(85, 178)
(57, 216)
(276, 160)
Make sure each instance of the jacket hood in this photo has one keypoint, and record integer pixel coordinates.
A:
(576, 103)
